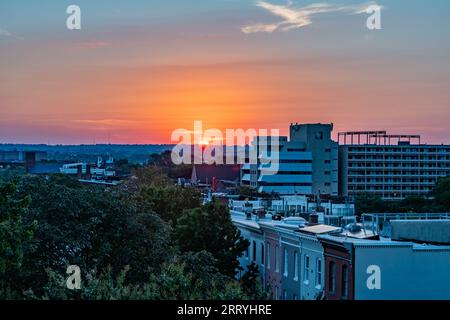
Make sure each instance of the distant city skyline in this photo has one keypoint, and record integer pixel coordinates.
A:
(137, 70)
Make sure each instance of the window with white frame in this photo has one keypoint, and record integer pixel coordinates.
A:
(306, 269)
(319, 272)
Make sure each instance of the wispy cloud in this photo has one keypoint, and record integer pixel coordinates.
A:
(294, 18)
(5, 33)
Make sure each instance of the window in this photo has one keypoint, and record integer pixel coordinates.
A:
(286, 262)
(331, 278)
(319, 272)
(262, 254)
(319, 135)
(306, 269)
(277, 259)
(295, 266)
(344, 281)
(268, 256)
(254, 251)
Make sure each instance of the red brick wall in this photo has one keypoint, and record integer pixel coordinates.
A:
(340, 258)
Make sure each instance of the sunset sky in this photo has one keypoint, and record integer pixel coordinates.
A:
(139, 69)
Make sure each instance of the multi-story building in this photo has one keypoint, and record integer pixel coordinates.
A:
(307, 261)
(307, 163)
(389, 166)
(317, 140)
(10, 157)
(294, 175)
(288, 253)
(28, 159)
(390, 268)
(312, 262)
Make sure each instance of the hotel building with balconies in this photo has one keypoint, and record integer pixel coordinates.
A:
(392, 167)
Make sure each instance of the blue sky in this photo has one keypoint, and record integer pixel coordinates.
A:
(141, 69)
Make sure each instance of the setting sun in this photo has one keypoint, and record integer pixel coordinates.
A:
(205, 142)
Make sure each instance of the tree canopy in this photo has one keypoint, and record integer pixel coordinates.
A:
(436, 201)
(152, 241)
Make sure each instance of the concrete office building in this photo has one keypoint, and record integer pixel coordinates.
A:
(390, 166)
(317, 140)
(308, 163)
(294, 174)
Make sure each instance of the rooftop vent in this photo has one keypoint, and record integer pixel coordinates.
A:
(353, 227)
(297, 221)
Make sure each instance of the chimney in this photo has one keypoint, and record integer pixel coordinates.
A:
(313, 219)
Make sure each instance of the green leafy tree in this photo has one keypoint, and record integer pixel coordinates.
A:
(210, 229)
(441, 193)
(15, 236)
(165, 163)
(367, 203)
(251, 282)
(246, 192)
(92, 227)
(168, 202)
(120, 240)
(151, 176)
(175, 281)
